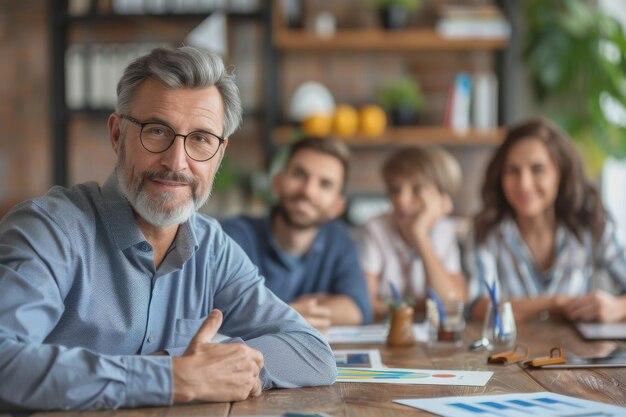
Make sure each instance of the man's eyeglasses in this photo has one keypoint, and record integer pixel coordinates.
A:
(158, 137)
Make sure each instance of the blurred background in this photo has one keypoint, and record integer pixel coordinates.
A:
(378, 74)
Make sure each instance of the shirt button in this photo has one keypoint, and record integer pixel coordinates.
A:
(150, 339)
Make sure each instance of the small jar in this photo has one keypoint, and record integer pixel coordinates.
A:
(446, 322)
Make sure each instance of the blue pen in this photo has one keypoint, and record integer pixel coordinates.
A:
(494, 306)
(395, 293)
(440, 308)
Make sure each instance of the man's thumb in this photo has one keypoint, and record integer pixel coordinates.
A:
(209, 328)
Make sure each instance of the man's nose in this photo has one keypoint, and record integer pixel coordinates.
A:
(175, 157)
(309, 188)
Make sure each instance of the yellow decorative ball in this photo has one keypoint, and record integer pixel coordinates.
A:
(373, 120)
(317, 125)
(345, 121)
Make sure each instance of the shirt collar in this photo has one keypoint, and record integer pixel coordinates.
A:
(513, 237)
(125, 229)
(119, 215)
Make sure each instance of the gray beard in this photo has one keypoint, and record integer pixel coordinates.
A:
(152, 209)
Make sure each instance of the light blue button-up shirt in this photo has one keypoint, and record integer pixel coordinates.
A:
(82, 305)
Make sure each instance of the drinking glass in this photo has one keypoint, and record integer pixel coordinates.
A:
(499, 329)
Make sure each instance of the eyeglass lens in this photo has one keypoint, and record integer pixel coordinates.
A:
(198, 145)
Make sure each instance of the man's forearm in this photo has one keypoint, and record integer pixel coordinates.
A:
(78, 379)
(295, 359)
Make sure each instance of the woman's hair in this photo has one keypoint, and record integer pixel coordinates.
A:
(578, 204)
(184, 67)
(433, 164)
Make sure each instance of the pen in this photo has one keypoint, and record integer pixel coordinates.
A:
(494, 306)
(440, 308)
(395, 294)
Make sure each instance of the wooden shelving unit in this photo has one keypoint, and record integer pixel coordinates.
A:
(380, 40)
(419, 135)
(107, 27)
(376, 40)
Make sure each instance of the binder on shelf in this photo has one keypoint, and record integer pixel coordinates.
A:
(457, 113)
(485, 101)
(92, 72)
(472, 21)
(75, 83)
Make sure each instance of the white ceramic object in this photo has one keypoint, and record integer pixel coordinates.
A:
(310, 98)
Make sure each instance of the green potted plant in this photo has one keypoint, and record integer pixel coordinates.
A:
(576, 56)
(394, 14)
(402, 99)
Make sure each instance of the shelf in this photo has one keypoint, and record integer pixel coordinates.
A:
(91, 18)
(419, 135)
(377, 39)
(103, 112)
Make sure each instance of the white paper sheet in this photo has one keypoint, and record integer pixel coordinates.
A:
(543, 404)
(375, 333)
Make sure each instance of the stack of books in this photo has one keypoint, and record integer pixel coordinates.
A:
(472, 21)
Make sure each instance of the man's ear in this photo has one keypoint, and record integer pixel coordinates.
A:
(277, 181)
(115, 131)
(222, 151)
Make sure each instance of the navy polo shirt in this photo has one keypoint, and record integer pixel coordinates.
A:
(330, 266)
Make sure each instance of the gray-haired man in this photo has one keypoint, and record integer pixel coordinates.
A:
(96, 280)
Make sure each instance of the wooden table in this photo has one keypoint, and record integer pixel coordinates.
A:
(366, 399)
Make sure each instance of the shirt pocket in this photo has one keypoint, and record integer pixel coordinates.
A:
(185, 330)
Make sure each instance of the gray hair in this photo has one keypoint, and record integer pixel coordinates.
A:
(184, 67)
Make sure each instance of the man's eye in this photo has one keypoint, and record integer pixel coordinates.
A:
(156, 131)
(200, 139)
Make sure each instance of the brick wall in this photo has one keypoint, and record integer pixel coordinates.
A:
(25, 163)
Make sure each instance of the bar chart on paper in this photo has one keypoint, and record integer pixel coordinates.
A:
(543, 404)
(414, 376)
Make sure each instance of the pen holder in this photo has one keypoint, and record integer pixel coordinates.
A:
(401, 327)
(446, 322)
(499, 329)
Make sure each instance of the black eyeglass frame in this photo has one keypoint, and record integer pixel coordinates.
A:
(144, 124)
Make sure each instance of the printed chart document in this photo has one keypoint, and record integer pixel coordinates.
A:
(374, 333)
(414, 376)
(540, 404)
(354, 358)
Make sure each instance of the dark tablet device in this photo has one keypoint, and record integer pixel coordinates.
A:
(596, 331)
(615, 359)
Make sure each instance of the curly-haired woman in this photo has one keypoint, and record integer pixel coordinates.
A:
(543, 234)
